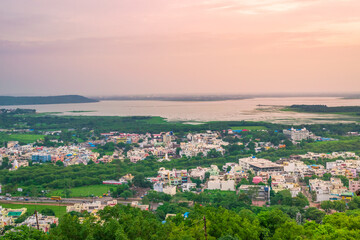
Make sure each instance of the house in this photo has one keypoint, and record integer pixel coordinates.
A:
(186, 187)
(198, 172)
(43, 221)
(88, 207)
(260, 194)
(171, 190)
(218, 184)
(347, 196)
(354, 185)
(327, 190)
(136, 204)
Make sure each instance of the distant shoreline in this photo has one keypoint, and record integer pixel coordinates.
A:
(208, 98)
(39, 100)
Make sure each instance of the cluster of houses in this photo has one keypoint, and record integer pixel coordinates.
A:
(202, 143)
(266, 175)
(329, 190)
(19, 156)
(96, 206)
(9, 216)
(163, 146)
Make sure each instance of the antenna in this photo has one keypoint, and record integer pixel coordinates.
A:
(205, 233)
(37, 220)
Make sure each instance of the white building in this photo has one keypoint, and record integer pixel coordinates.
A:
(217, 184)
(186, 187)
(297, 134)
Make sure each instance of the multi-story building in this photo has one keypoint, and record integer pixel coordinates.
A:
(297, 134)
(259, 165)
(354, 186)
(217, 184)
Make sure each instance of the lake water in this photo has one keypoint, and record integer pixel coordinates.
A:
(247, 109)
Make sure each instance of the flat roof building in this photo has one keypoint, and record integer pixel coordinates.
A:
(259, 165)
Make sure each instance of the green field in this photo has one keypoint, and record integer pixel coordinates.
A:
(85, 191)
(59, 210)
(251, 128)
(23, 138)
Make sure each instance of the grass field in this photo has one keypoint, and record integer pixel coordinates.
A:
(59, 210)
(251, 128)
(85, 191)
(24, 138)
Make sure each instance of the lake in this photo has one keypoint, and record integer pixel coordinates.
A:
(246, 109)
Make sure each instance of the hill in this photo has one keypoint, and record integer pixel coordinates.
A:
(9, 100)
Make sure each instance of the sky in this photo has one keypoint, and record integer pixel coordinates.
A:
(127, 47)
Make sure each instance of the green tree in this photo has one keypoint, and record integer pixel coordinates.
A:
(126, 194)
(300, 200)
(354, 203)
(283, 198)
(327, 205)
(66, 193)
(339, 206)
(139, 181)
(48, 212)
(24, 232)
(315, 214)
(5, 163)
(59, 163)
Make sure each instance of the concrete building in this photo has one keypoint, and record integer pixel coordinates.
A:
(217, 184)
(198, 172)
(327, 190)
(259, 165)
(354, 185)
(186, 187)
(171, 190)
(45, 222)
(297, 134)
(88, 207)
(260, 194)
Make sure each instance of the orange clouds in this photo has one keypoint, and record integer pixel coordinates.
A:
(179, 46)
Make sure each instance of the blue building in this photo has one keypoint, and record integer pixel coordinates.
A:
(41, 158)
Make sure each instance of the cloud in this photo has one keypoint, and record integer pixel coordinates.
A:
(253, 6)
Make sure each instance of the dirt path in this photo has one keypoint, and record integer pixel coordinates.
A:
(33, 203)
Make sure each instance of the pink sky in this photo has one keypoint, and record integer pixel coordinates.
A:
(95, 47)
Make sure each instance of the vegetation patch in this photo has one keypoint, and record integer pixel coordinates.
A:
(84, 191)
(58, 210)
(348, 110)
(22, 138)
(251, 128)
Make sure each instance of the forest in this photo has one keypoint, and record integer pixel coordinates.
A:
(325, 109)
(125, 222)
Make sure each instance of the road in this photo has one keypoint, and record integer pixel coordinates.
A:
(65, 201)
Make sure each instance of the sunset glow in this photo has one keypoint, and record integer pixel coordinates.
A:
(178, 46)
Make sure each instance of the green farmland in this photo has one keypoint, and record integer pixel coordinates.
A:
(85, 191)
(23, 138)
(59, 210)
(251, 128)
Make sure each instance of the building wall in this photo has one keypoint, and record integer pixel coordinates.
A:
(354, 186)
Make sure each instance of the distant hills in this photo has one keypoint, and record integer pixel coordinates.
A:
(9, 100)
